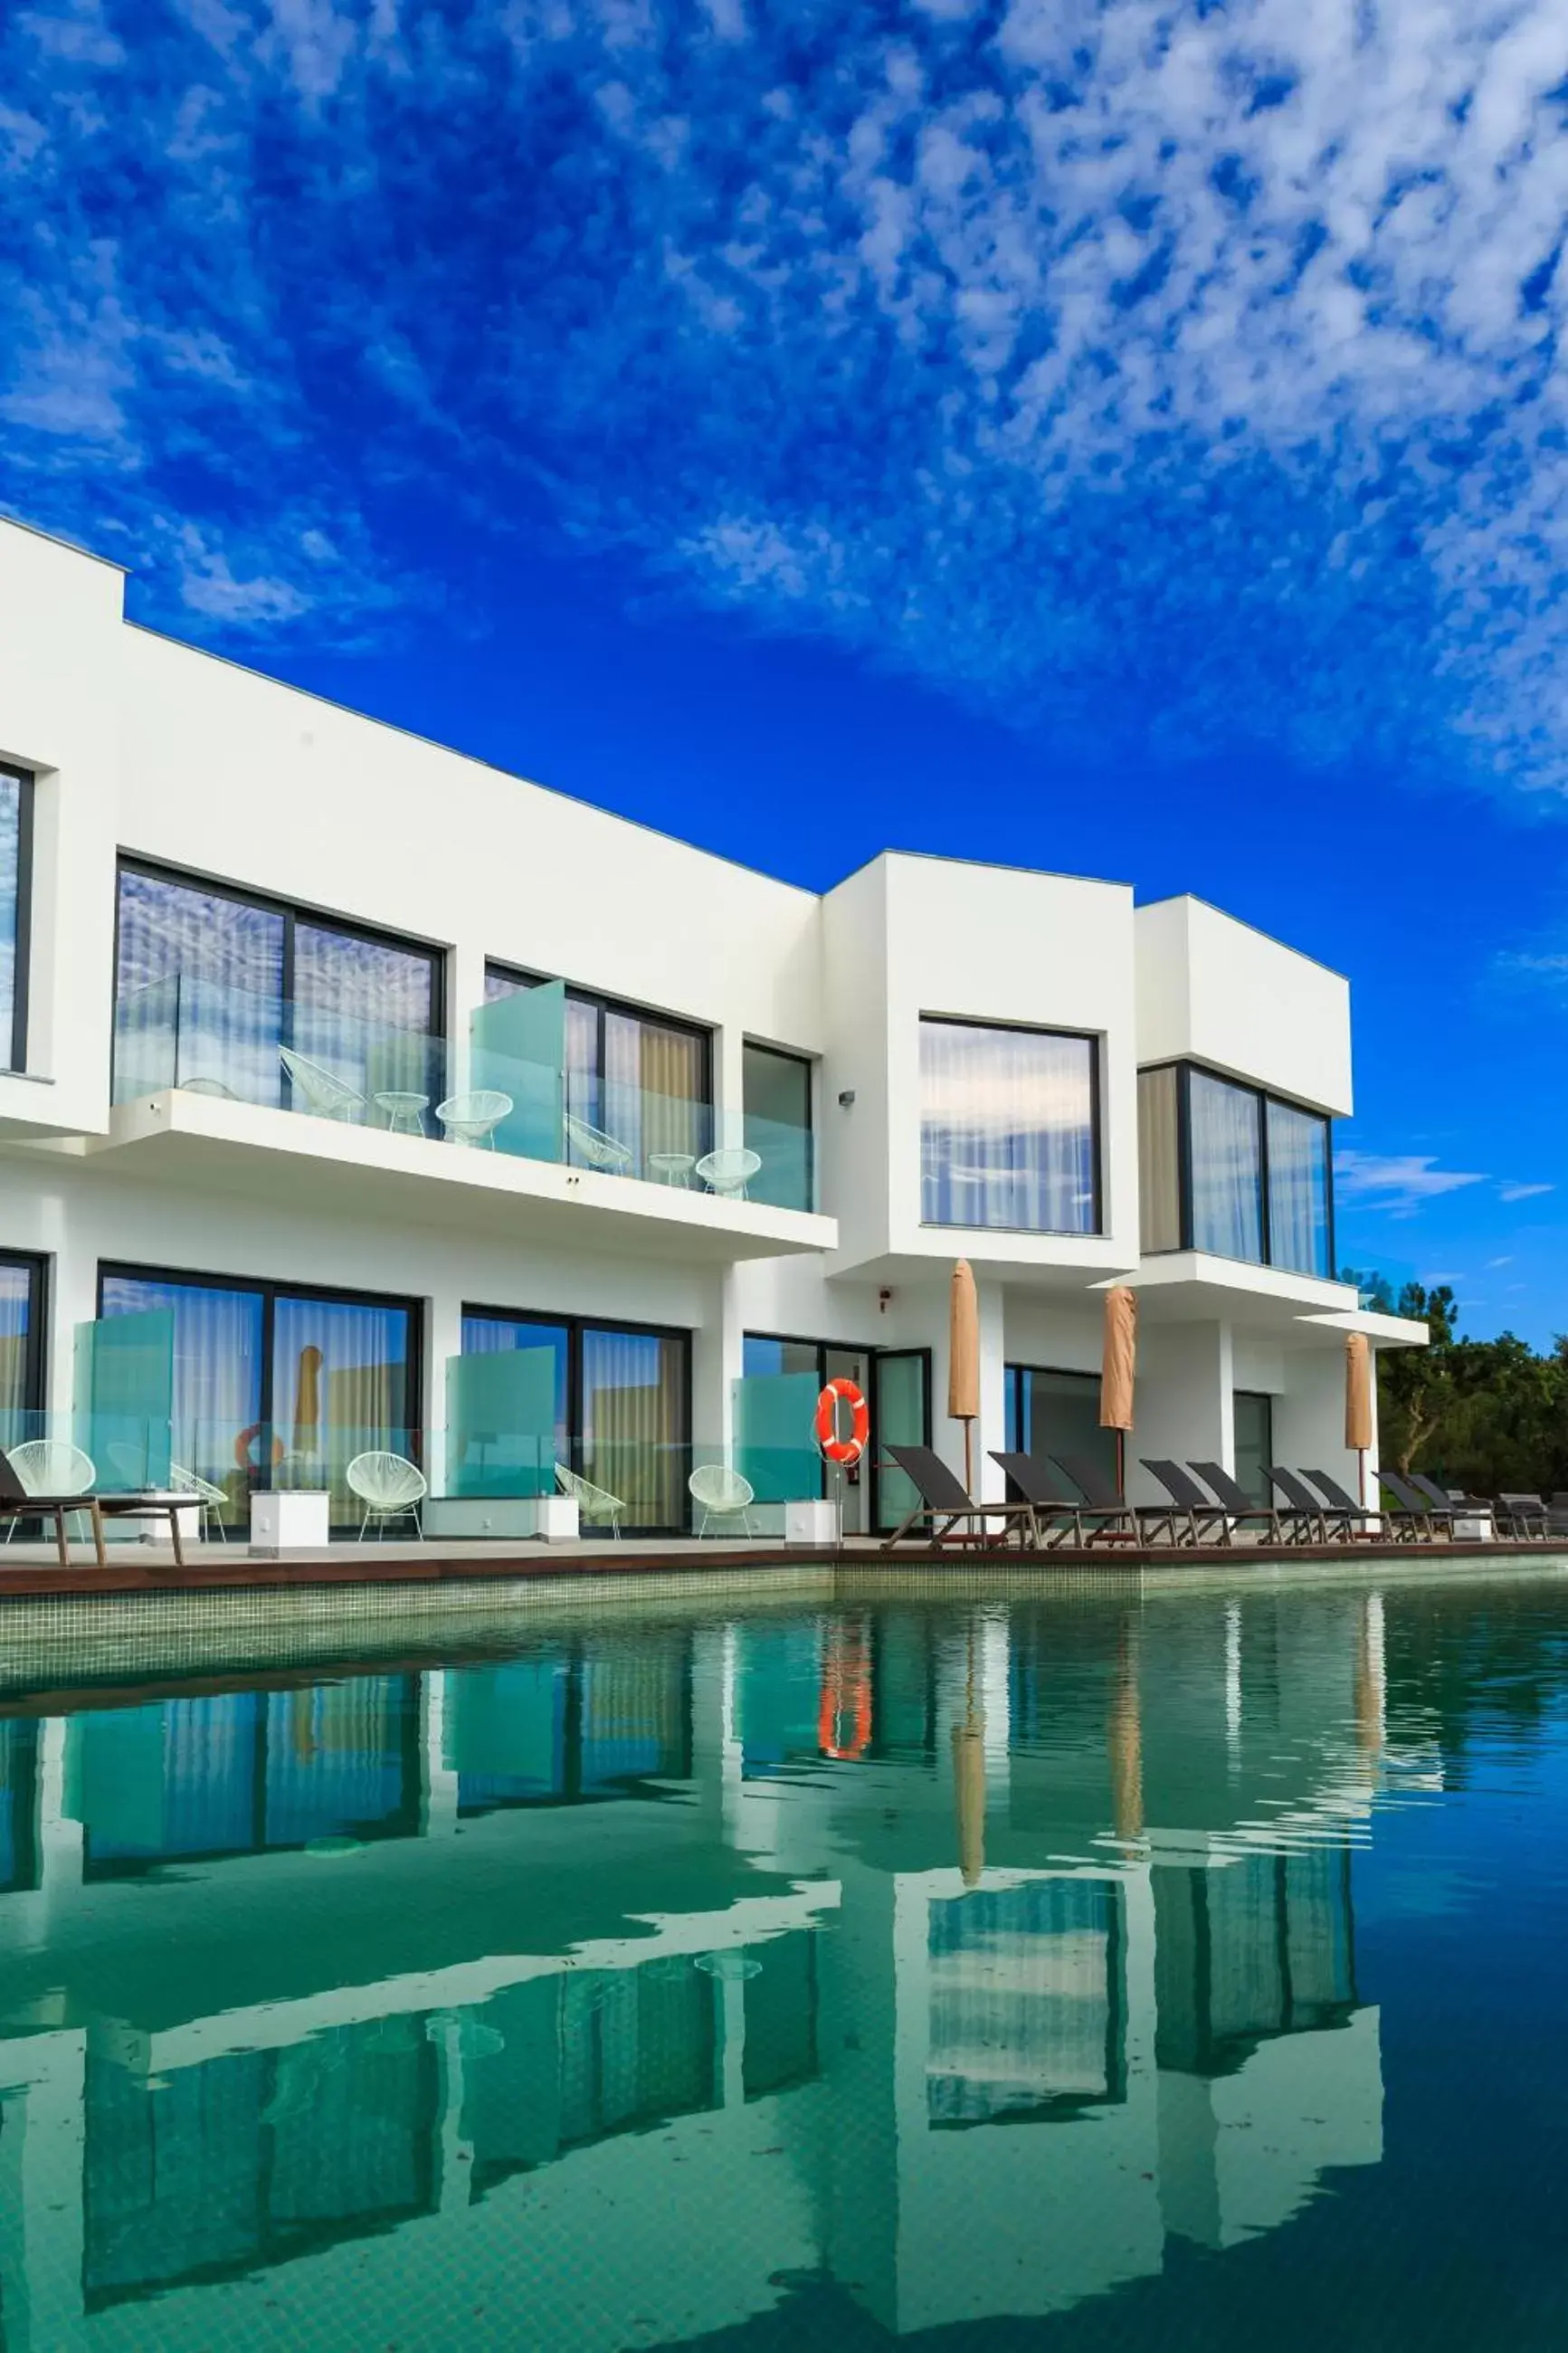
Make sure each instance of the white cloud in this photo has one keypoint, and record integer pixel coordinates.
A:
(1399, 1183)
(1511, 1192)
(1492, 1262)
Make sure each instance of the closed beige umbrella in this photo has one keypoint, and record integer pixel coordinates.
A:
(1118, 1370)
(964, 1361)
(1358, 1401)
(1124, 1742)
(969, 1793)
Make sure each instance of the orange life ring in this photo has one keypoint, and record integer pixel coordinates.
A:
(844, 1704)
(833, 1448)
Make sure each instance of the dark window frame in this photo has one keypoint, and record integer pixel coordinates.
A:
(575, 1326)
(1262, 1098)
(1095, 1040)
(1012, 1374)
(270, 1291)
(26, 788)
(292, 913)
(35, 1356)
(602, 1005)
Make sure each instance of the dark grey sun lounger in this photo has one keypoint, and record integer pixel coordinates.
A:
(945, 1504)
(1413, 1511)
(1342, 1501)
(1044, 1485)
(1204, 1517)
(1105, 1499)
(1239, 1505)
(1309, 1510)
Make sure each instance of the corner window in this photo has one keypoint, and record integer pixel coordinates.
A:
(15, 878)
(1226, 1169)
(1009, 1129)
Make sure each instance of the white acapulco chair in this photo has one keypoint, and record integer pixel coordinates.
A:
(390, 1487)
(191, 1483)
(596, 1148)
(326, 1096)
(730, 1170)
(50, 1466)
(593, 1503)
(723, 1496)
(474, 1119)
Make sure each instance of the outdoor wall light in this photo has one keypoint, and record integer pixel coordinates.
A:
(847, 1096)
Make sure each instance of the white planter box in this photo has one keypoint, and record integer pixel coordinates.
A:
(813, 1523)
(296, 1521)
(1475, 1527)
(546, 1519)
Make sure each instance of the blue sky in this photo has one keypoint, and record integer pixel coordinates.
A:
(1122, 438)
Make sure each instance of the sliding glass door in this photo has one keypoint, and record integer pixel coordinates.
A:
(214, 988)
(21, 1347)
(279, 1387)
(623, 1405)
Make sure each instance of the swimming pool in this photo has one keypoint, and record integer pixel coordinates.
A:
(1145, 1971)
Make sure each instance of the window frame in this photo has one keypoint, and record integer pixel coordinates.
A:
(575, 1326)
(27, 786)
(602, 1005)
(1095, 1040)
(35, 1356)
(1262, 1097)
(270, 1291)
(291, 912)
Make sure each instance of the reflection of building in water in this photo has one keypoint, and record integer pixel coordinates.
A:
(515, 2034)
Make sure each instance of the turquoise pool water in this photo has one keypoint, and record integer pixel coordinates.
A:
(1183, 1973)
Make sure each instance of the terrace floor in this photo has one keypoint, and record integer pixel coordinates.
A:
(31, 1570)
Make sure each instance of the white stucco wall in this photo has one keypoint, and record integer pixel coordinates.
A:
(1216, 991)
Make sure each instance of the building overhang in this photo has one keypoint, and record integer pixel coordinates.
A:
(287, 1157)
(1191, 1287)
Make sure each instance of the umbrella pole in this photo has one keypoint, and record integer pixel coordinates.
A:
(969, 1458)
(1121, 1462)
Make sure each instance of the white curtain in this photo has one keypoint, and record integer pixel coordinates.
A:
(1227, 1170)
(1006, 1129)
(1297, 1190)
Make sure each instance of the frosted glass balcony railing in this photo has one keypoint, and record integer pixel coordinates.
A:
(210, 1039)
(207, 1038)
(619, 1129)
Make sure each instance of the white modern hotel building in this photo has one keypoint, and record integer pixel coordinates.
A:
(359, 1095)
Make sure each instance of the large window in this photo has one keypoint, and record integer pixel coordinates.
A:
(235, 996)
(637, 1083)
(15, 881)
(1055, 1413)
(278, 1386)
(1009, 1124)
(1226, 1169)
(623, 1404)
(21, 1346)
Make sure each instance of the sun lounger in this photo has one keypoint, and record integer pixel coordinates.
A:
(1044, 1485)
(1523, 1516)
(1237, 1504)
(1105, 1499)
(1342, 1500)
(1413, 1512)
(1205, 1519)
(946, 1507)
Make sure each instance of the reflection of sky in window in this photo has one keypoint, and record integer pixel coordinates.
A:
(16, 1300)
(10, 880)
(1007, 1128)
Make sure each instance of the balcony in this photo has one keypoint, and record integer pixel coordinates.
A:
(207, 1077)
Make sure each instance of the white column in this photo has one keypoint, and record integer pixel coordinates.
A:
(444, 1339)
(717, 1355)
(438, 1808)
(465, 990)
